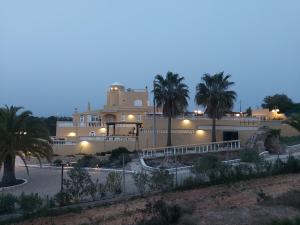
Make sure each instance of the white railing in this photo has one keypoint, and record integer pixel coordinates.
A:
(65, 124)
(108, 138)
(194, 117)
(63, 142)
(191, 149)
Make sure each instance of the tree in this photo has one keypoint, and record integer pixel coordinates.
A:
(294, 121)
(214, 93)
(172, 95)
(281, 101)
(79, 184)
(20, 135)
(249, 111)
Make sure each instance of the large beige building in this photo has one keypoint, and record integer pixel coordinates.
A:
(128, 120)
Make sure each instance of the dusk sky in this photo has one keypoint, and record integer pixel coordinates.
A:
(57, 55)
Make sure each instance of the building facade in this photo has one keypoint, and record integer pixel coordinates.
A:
(127, 120)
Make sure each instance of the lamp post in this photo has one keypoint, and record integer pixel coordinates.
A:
(62, 184)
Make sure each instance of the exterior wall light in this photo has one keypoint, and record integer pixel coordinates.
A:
(72, 134)
(200, 132)
(186, 122)
(84, 144)
(102, 130)
(130, 116)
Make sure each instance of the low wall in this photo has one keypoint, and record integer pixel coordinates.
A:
(92, 147)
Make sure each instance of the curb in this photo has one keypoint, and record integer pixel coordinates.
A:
(70, 167)
(15, 186)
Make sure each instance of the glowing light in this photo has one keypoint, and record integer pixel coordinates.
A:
(186, 122)
(130, 116)
(237, 115)
(72, 134)
(102, 130)
(84, 143)
(200, 132)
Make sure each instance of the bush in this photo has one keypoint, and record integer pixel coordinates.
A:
(141, 181)
(7, 203)
(249, 155)
(57, 162)
(30, 203)
(113, 183)
(206, 166)
(88, 161)
(292, 165)
(77, 186)
(161, 180)
(117, 153)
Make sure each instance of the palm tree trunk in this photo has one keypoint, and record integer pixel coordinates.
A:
(9, 177)
(169, 139)
(213, 131)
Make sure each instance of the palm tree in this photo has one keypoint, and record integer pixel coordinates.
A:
(172, 95)
(215, 95)
(20, 135)
(294, 121)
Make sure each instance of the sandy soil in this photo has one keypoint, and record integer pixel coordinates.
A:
(216, 205)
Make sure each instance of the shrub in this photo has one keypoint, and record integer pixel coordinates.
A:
(88, 161)
(249, 155)
(207, 165)
(161, 180)
(116, 153)
(141, 181)
(30, 203)
(7, 203)
(113, 182)
(57, 162)
(77, 186)
(292, 165)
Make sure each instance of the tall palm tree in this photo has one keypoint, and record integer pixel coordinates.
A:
(215, 95)
(20, 135)
(294, 121)
(172, 95)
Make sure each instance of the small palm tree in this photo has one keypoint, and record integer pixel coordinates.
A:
(20, 135)
(294, 121)
(172, 95)
(215, 95)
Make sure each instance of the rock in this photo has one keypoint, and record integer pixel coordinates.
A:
(265, 139)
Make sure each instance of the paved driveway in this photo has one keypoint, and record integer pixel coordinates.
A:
(46, 181)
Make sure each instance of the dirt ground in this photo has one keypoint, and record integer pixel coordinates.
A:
(223, 204)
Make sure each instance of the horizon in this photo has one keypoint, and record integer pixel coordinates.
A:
(57, 56)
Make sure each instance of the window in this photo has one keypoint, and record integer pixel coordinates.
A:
(81, 119)
(123, 118)
(139, 118)
(92, 134)
(94, 118)
(89, 118)
(138, 103)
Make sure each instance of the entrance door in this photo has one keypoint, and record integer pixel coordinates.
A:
(230, 135)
